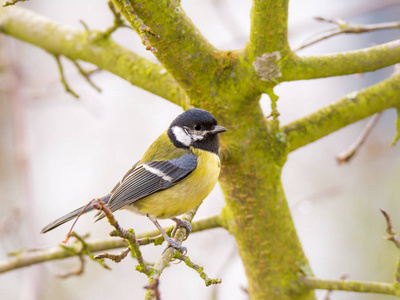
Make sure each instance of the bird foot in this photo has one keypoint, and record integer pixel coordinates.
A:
(175, 245)
(183, 224)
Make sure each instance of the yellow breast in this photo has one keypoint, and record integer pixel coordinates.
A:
(185, 195)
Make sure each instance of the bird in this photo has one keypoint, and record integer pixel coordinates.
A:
(175, 174)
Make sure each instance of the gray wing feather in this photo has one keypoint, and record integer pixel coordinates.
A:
(141, 182)
(136, 184)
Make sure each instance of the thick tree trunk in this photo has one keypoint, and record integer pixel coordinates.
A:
(257, 213)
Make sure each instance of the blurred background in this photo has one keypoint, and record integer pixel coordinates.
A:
(58, 152)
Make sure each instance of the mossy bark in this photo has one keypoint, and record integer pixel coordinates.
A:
(257, 213)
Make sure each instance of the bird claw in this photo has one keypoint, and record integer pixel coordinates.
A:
(175, 245)
(183, 224)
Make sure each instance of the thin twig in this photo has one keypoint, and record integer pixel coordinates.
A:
(348, 154)
(63, 80)
(80, 252)
(393, 238)
(128, 235)
(94, 71)
(200, 270)
(115, 257)
(76, 272)
(85, 26)
(346, 28)
(142, 28)
(397, 124)
(86, 75)
(389, 229)
(13, 2)
(169, 254)
(153, 288)
(118, 21)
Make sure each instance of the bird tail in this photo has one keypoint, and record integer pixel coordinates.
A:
(72, 215)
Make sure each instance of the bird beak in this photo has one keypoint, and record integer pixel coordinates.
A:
(218, 129)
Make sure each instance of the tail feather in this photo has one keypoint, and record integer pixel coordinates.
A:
(72, 215)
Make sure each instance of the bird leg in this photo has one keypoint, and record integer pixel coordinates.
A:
(183, 224)
(170, 241)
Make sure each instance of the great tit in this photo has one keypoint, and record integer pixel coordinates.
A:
(175, 174)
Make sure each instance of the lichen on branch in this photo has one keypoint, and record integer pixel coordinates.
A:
(92, 47)
(342, 63)
(350, 109)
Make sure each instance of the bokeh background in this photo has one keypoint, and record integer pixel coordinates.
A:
(57, 152)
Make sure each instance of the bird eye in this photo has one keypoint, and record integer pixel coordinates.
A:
(197, 127)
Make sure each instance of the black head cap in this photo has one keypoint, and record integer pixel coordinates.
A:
(195, 127)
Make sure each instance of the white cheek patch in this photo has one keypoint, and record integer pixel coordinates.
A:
(157, 172)
(181, 136)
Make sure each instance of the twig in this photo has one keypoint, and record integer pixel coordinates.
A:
(118, 21)
(142, 28)
(392, 234)
(94, 71)
(245, 289)
(153, 288)
(26, 258)
(128, 235)
(114, 257)
(393, 238)
(397, 124)
(274, 108)
(77, 272)
(200, 270)
(169, 254)
(80, 252)
(348, 285)
(344, 27)
(63, 80)
(348, 154)
(86, 75)
(13, 2)
(85, 26)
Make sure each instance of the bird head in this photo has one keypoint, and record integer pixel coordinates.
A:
(196, 128)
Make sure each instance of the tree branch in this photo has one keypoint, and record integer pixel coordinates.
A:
(346, 155)
(23, 259)
(86, 74)
(268, 31)
(345, 28)
(92, 47)
(397, 124)
(200, 270)
(342, 63)
(393, 238)
(13, 2)
(169, 253)
(63, 80)
(350, 109)
(361, 286)
(348, 285)
(143, 30)
(192, 64)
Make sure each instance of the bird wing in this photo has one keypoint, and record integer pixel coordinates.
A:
(148, 178)
(125, 176)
